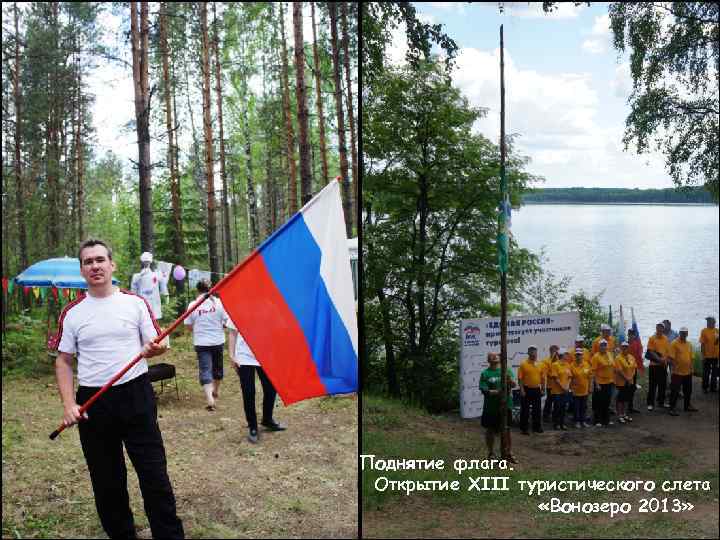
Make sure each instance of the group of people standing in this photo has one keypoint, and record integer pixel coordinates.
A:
(569, 377)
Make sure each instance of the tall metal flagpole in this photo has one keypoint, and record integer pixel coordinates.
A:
(503, 245)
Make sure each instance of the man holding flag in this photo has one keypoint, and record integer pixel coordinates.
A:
(292, 299)
(102, 328)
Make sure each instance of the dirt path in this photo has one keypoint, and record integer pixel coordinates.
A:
(297, 483)
(691, 437)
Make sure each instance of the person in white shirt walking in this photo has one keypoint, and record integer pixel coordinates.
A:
(104, 329)
(246, 365)
(207, 323)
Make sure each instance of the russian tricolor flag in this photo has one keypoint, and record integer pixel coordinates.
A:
(292, 300)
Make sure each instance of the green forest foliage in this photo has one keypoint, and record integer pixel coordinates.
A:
(675, 100)
(618, 195)
(431, 190)
(61, 47)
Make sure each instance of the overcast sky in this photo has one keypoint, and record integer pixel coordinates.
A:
(566, 89)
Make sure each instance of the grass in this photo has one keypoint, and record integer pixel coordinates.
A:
(301, 482)
(392, 429)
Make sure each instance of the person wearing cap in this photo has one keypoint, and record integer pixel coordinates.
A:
(625, 367)
(580, 383)
(545, 366)
(603, 367)
(681, 355)
(580, 344)
(559, 377)
(149, 284)
(709, 349)
(604, 334)
(636, 350)
(657, 352)
(531, 390)
(490, 385)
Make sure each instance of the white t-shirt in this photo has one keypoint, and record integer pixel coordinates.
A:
(207, 321)
(106, 333)
(243, 355)
(147, 284)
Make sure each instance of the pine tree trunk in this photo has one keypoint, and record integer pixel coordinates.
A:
(251, 196)
(139, 40)
(19, 191)
(80, 169)
(319, 102)
(53, 149)
(351, 114)
(347, 200)
(212, 223)
(300, 93)
(198, 177)
(225, 206)
(292, 184)
(177, 235)
(269, 191)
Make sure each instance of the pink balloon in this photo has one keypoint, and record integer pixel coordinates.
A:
(179, 273)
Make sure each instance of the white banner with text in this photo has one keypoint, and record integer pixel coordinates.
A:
(481, 336)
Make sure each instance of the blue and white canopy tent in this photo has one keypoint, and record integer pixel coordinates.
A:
(62, 273)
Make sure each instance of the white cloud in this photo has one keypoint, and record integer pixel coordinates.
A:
(601, 27)
(458, 7)
(599, 40)
(593, 46)
(621, 83)
(557, 118)
(562, 10)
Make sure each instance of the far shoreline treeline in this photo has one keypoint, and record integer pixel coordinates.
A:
(577, 195)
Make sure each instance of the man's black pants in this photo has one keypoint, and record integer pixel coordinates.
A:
(247, 384)
(657, 381)
(677, 381)
(710, 374)
(127, 414)
(603, 396)
(531, 400)
(547, 407)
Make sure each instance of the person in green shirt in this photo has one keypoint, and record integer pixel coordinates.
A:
(490, 383)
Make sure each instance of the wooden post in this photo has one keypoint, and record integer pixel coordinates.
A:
(503, 270)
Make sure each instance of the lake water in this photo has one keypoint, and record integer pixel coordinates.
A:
(661, 260)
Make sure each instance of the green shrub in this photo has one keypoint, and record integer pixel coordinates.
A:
(24, 348)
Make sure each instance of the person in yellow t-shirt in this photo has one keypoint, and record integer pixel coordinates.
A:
(532, 386)
(559, 377)
(709, 348)
(580, 344)
(681, 355)
(603, 373)
(580, 384)
(625, 367)
(604, 334)
(546, 364)
(657, 350)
